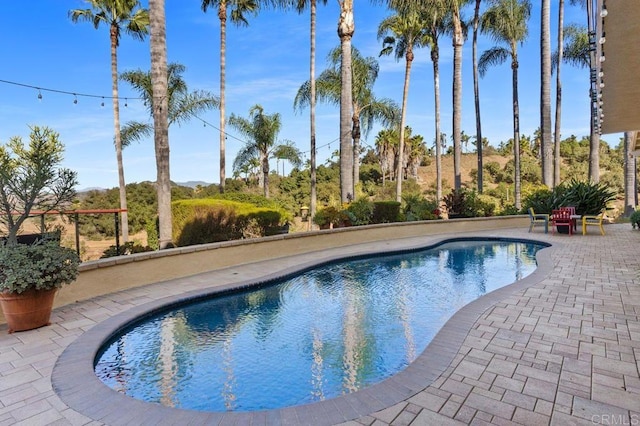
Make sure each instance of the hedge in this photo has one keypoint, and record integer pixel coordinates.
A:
(200, 221)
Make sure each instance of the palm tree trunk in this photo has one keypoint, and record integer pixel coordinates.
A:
(545, 94)
(594, 145)
(222, 15)
(160, 118)
(516, 131)
(629, 174)
(557, 135)
(403, 118)
(355, 135)
(265, 173)
(124, 217)
(457, 96)
(476, 93)
(435, 53)
(346, 28)
(312, 80)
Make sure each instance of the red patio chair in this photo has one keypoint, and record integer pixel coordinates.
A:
(562, 217)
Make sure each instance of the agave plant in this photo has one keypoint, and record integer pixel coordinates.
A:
(587, 197)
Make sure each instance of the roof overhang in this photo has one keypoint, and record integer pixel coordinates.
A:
(621, 67)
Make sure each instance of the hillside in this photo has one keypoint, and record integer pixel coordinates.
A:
(427, 175)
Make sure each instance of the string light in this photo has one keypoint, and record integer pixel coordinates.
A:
(64, 92)
(102, 97)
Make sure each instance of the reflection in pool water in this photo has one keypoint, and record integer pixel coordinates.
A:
(328, 331)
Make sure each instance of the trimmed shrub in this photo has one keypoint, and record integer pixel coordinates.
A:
(209, 220)
(386, 211)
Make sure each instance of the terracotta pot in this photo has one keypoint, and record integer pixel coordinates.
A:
(28, 310)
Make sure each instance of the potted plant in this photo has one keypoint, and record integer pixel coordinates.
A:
(31, 179)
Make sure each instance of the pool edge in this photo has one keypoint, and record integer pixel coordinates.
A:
(74, 381)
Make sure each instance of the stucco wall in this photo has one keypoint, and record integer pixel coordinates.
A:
(106, 276)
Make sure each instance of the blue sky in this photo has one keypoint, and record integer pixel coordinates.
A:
(266, 64)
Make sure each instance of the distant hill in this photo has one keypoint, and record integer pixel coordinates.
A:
(188, 184)
(193, 183)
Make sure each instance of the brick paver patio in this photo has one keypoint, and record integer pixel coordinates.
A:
(563, 350)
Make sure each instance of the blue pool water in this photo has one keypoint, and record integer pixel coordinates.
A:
(322, 333)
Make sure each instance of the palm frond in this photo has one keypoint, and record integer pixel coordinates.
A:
(494, 56)
(135, 131)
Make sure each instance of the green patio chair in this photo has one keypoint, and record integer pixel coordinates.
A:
(538, 218)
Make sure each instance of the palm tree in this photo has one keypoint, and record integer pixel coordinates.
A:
(415, 151)
(262, 130)
(312, 98)
(183, 105)
(287, 151)
(576, 46)
(458, 41)
(119, 15)
(160, 119)
(476, 90)
(556, 133)
(545, 93)
(630, 193)
(434, 15)
(386, 147)
(506, 23)
(576, 52)
(401, 33)
(346, 29)
(238, 10)
(365, 106)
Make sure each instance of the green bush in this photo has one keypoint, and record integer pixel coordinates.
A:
(419, 208)
(635, 219)
(467, 203)
(331, 217)
(587, 197)
(360, 212)
(203, 221)
(40, 266)
(386, 211)
(125, 249)
(152, 234)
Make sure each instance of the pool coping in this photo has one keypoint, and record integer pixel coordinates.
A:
(74, 381)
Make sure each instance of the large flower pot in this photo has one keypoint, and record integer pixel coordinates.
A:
(28, 310)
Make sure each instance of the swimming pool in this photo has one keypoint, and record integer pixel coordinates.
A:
(327, 332)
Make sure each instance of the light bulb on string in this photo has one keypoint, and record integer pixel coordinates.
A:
(102, 103)
(126, 102)
(39, 95)
(75, 99)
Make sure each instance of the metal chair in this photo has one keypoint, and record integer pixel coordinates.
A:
(538, 218)
(595, 220)
(561, 217)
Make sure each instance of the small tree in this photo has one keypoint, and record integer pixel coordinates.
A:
(31, 178)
